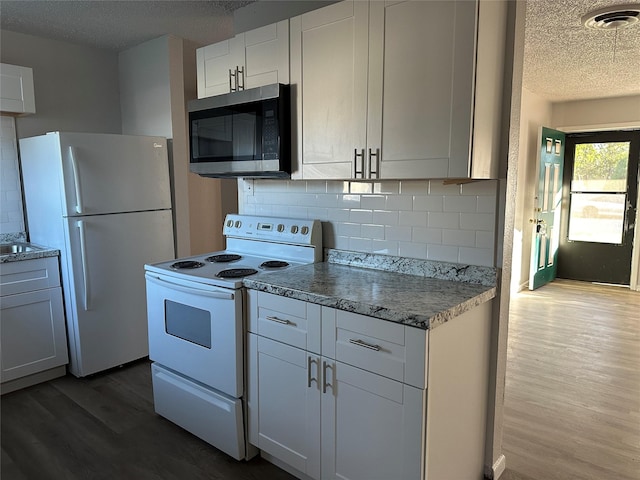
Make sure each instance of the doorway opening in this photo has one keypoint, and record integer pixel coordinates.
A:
(600, 188)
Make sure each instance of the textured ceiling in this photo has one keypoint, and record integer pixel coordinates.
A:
(566, 61)
(563, 59)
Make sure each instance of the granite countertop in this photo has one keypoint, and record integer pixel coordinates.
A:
(35, 251)
(376, 290)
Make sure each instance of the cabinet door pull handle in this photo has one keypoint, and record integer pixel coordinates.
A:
(360, 343)
(279, 320)
(357, 172)
(239, 75)
(325, 366)
(232, 75)
(310, 361)
(374, 170)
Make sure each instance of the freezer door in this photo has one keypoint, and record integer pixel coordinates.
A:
(105, 285)
(106, 173)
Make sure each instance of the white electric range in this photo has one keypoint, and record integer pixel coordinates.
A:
(196, 319)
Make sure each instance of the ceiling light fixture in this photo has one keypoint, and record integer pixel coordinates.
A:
(613, 17)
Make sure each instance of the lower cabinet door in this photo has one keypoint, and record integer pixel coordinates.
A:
(372, 426)
(33, 337)
(284, 403)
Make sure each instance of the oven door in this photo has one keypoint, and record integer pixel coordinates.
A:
(196, 330)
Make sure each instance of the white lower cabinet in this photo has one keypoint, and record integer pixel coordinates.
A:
(34, 340)
(322, 417)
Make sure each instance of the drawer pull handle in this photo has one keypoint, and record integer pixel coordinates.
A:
(279, 320)
(325, 384)
(360, 343)
(310, 361)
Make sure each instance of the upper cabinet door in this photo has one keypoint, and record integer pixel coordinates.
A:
(329, 56)
(215, 63)
(251, 59)
(421, 80)
(266, 55)
(16, 89)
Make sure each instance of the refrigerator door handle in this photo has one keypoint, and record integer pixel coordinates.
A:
(76, 179)
(83, 256)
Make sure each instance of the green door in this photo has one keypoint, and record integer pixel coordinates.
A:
(546, 220)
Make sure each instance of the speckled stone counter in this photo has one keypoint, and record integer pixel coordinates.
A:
(38, 251)
(411, 299)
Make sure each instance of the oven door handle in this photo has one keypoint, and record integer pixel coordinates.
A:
(192, 288)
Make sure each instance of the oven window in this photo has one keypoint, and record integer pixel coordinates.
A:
(188, 323)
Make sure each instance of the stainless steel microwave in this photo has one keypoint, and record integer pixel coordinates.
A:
(242, 134)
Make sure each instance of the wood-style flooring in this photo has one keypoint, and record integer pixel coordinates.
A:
(572, 396)
(572, 406)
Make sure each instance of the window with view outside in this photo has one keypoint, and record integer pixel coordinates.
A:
(598, 192)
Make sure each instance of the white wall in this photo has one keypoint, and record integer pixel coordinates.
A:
(535, 112)
(76, 87)
(11, 210)
(76, 90)
(418, 218)
(597, 114)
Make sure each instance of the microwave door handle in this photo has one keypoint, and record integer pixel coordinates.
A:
(223, 295)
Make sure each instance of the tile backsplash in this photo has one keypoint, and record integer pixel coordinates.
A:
(422, 219)
(11, 211)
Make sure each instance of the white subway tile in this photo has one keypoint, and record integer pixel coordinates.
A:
(428, 203)
(414, 187)
(327, 200)
(459, 204)
(349, 201)
(437, 187)
(387, 186)
(361, 216)
(398, 233)
(385, 217)
(360, 245)
(318, 213)
(412, 250)
(338, 215)
(481, 187)
(443, 220)
(373, 232)
(373, 202)
(476, 256)
(412, 219)
(360, 187)
(460, 238)
(442, 253)
(349, 229)
(477, 221)
(486, 204)
(249, 209)
(485, 240)
(426, 235)
(269, 186)
(385, 247)
(341, 243)
(297, 212)
(337, 186)
(297, 187)
(315, 186)
(399, 202)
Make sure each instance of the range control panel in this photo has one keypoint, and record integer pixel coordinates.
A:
(274, 229)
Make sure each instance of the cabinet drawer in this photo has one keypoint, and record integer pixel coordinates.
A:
(29, 275)
(379, 346)
(286, 320)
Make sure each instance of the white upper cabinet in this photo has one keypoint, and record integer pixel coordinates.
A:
(392, 89)
(251, 59)
(16, 89)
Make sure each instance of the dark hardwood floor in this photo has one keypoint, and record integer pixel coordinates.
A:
(572, 406)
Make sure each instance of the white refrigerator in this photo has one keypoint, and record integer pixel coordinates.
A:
(104, 201)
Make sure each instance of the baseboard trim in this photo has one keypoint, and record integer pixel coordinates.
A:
(498, 468)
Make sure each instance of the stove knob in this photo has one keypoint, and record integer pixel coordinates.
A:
(281, 228)
(238, 223)
(304, 230)
(294, 229)
(229, 223)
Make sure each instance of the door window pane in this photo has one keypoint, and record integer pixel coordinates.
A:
(600, 167)
(598, 192)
